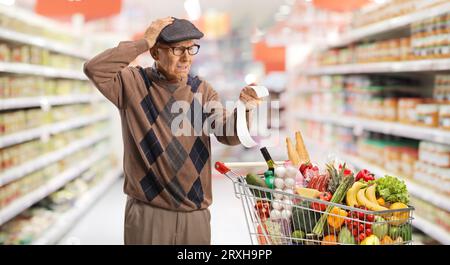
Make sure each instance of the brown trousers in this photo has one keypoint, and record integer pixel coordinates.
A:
(145, 224)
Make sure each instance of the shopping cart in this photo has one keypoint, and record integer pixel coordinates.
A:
(299, 218)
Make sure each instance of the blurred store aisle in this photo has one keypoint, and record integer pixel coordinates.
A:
(103, 223)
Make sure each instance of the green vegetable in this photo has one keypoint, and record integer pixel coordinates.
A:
(255, 180)
(380, 228)
(404, 231)
(346, 237)
(392, 189)
(302, 218)
(297, 236)
(338, 196)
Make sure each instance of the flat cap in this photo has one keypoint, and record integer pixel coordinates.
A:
(179, 30)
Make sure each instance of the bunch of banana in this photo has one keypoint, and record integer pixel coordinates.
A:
(367, 198)
(351, 193)
(361, 195)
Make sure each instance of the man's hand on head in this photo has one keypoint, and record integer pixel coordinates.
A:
(249, 98)
(152, 32)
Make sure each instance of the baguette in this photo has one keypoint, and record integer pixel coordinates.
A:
(292, 154)
(301, 148)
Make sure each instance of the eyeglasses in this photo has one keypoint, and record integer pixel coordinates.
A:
(179, 50)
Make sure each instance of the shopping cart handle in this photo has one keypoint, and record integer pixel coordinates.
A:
(221, 167)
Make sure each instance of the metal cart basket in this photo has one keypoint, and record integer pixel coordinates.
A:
(299, 219)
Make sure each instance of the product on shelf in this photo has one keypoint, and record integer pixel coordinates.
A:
(12, 23)
(407, 109)
(428, 40)
(431, 213)
(383, 98)
(442, 88)
(38, 178)
(427, 115)
(34, 55)
(394, 155)
(21, 153)
(392, 9)
(444, 117)
(35, 221)
(5, 53)
(16, 121)
(435, 154)
(20, 87)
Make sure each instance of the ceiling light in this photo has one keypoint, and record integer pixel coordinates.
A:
(193, 9)
(285, 9)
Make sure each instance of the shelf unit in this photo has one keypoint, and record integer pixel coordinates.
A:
(414, 189)
(431, 65)
(21, 204)
(44, 101)
(389, 25)
(380, 31)
(391, 128)
(17, 172)
(66, 42)
(68, 219)
(431, 229)
(18, 37)
(33, 19)
(39, 70)
(47, 130)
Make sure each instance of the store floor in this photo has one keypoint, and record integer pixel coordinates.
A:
(103, 223)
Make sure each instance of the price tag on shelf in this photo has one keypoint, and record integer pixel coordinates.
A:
(45, 136)
(45, 104)
(358, 130)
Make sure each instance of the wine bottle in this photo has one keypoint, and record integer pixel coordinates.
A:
(268, 159)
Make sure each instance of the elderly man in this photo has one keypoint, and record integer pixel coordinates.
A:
(167, 173)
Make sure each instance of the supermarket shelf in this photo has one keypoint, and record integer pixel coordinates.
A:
(302, 91)
(392, 128)
(415, 189)
(66, 221)
(382, 67)
(51, 45)
(28, 102)
(18, 206)
(45, 160)
(44, 23)
(389, 25)
(28, 135)
(432, 230)
(30, 69)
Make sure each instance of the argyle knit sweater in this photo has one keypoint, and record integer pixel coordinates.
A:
(162, 168)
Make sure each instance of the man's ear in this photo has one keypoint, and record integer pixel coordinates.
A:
(154, 53)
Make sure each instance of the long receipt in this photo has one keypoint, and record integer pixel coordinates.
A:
(241, 123)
